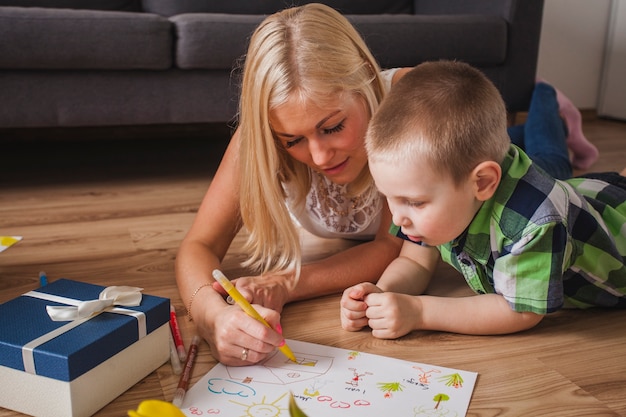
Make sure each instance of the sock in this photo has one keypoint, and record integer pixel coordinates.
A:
(584, 153)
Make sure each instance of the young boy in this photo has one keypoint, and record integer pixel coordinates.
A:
(527, 244)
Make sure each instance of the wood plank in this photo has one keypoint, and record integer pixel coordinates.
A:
(91, 216)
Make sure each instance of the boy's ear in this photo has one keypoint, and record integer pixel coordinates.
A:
(486, 177)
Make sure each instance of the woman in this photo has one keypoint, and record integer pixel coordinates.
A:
(310, 86)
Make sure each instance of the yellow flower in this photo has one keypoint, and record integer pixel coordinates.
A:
(156, 408)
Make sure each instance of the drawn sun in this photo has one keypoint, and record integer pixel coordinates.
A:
(262, 409)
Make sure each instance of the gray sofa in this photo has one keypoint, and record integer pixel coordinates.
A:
(77, 63)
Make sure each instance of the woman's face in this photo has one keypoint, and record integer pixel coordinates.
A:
(330, 140)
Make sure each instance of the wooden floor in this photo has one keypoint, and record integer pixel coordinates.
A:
(113, 212)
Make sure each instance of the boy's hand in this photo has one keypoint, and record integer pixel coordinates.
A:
(353, 306)
(392, 315)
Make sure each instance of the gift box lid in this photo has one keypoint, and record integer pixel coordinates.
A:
(77, 349)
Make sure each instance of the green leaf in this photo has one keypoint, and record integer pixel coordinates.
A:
(294, 410)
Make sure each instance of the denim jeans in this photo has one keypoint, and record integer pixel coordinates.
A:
(543, 135)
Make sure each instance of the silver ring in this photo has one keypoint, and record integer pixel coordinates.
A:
(244, 354)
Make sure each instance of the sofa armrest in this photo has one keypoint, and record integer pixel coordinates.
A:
(524, 30)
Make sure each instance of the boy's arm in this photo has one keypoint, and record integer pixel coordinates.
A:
(482, 314)
(411, 271)
(392, 315)
(401, 308)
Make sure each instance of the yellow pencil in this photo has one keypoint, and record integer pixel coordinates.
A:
(245, 306)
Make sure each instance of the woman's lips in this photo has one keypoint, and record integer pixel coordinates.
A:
(336, 169)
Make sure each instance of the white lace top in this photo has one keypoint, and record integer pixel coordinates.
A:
(331, 213)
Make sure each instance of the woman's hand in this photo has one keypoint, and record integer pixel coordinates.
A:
(270, 291)
(353, 306)
(237, 339)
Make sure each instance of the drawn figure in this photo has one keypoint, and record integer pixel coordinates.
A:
(425, 375)
(389, 387)
(308, 393)
(262, 409)
(313, 390)
(352, 355)
(453, 380)
(356, 377)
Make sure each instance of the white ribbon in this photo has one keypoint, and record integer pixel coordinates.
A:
(79, 312)
(110, 296)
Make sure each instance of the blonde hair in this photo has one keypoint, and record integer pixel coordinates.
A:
(446, 114)
(312, 52)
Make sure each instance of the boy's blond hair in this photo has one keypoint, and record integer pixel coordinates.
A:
(445, 114)
(311, 52)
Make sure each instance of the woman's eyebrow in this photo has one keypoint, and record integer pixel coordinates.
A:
(317, 126)
(321, 123)
(286, 135)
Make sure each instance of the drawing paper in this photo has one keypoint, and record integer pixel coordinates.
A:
(328, 381)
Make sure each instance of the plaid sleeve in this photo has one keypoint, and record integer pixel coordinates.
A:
(528, 274)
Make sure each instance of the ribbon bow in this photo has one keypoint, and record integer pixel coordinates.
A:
(110, 296)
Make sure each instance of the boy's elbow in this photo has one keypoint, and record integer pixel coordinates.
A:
(527, 320)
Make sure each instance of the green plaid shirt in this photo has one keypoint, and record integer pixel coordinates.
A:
(545, 244)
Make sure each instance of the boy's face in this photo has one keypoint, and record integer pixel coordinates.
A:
(428, 207)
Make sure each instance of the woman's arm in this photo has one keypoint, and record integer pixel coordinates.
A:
(365, 262)
(211, 232)
(226, 328)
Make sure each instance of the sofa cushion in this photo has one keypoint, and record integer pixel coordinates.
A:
(217, 41)
(212, 40)
(40, 38)
(114, 98)
(119, 5)
(174, 7)
(407, 40)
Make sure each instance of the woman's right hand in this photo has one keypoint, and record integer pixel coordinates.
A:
(230, 332)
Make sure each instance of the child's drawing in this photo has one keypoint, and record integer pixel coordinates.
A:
(356, 377)
(389, 388)
(425, 375)
(263, 408)
(453, 380)
(280, 370)
(331, 382)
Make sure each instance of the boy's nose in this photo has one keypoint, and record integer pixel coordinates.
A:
(398, 217)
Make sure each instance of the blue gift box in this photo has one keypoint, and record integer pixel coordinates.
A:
(35, 350)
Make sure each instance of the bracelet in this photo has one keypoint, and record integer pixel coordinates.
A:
(193, 296)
